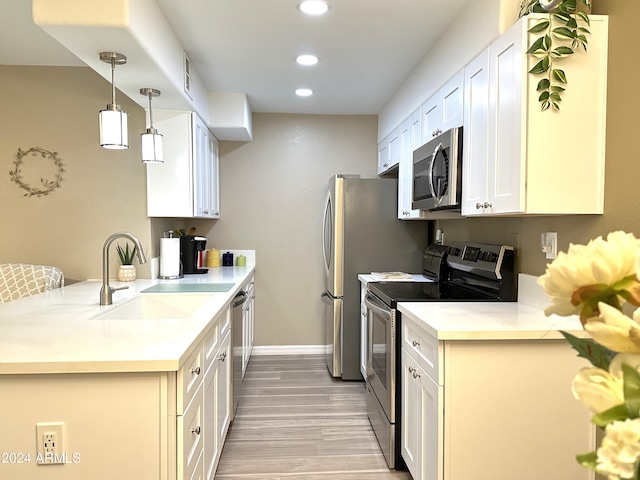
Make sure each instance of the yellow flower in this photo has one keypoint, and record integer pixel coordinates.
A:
(599, 271)
(597, 389)
(615, 330)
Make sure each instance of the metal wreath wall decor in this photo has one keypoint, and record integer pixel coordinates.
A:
(47, 186)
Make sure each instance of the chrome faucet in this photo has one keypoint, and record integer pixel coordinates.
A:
(106, 292)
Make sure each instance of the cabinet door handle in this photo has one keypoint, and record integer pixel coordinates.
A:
(415, 373)
(483, 205)
(436, 132)
(411, 369)
(196, 370)
(196, 430)
(415, 343)
(223, 356)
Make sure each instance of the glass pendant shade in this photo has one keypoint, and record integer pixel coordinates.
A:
(113, 129)
(152, 146)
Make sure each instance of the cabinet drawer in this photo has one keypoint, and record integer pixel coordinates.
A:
(225, 322)
(424, 347)
(190, 436)
(211, 344)
(189, 379)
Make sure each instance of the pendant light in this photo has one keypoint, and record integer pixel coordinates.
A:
(113, 120)
(151, 139)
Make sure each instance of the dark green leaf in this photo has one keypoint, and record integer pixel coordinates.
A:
(545, 105)
(562, 17)
(557, 88)
(584, 30)
(599, 356)
(555, 97)
(563, 51)
(540, 67)
(547, 42)
(559, 75)
(536, 46)
(584, 17)
(588, 460)
(543, 84)
(564, 32)
(544, 96)
(572, 23)
(540, 26)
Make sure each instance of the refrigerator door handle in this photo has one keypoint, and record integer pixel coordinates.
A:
(327, 205)
(326, 298)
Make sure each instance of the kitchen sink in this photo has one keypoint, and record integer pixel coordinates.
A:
(155, 307)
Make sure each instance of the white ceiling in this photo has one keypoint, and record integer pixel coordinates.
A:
(367, 48)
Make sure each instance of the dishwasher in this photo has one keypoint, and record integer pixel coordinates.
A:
(237, 335)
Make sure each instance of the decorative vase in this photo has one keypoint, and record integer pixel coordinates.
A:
(127, 273)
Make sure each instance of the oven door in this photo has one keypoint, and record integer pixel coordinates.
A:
(381, 353)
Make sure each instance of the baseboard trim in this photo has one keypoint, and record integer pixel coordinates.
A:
(289, 350)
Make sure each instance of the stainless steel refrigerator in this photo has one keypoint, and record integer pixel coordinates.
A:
(361, 234)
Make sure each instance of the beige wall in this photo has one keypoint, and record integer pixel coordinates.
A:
(272, 194)
(622, 176)
(103, 190)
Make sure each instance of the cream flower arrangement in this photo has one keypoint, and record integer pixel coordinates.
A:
(600, 283)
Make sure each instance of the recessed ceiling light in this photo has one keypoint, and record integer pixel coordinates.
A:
(307, 59)
(314, 7)
(304, 92)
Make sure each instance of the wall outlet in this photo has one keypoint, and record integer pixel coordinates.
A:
(50, 443)
(549, 244)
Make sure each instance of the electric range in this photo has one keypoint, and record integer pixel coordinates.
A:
(462, 272)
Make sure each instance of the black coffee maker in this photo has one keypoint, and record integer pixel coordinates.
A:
(192, 253)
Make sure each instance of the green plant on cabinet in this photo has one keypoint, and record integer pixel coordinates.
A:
(562, 32)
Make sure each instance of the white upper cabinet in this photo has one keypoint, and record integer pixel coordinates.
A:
(410, 139)
(389, 151)
(519, 159)
(186, 184)
(444, 110)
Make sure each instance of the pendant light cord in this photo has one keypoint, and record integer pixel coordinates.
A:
(113, 81)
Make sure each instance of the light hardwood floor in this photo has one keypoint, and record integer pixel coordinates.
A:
(295, 422)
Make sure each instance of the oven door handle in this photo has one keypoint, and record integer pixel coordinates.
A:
(377, 306)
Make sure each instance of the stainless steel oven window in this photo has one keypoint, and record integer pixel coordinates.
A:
(381, 352)
(379, 348)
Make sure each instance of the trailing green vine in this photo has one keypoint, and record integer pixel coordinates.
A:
(565, 23)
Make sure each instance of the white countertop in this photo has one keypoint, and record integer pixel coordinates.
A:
(521, 320)
(54, 332)
(488, 321)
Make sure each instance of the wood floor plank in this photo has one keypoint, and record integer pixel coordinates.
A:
(296, 422)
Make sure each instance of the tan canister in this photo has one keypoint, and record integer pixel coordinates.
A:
(213, 258)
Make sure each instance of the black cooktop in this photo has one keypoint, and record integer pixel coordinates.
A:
(464, 272)
(428, 291)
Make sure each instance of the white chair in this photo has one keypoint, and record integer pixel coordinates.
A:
(18, 280)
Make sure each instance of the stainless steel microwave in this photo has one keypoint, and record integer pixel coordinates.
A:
(437, 172)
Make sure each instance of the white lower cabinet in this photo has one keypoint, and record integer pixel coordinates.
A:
(156, 425)
(421, 420)
(203, 425)
(217, 409)
(490, 409)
